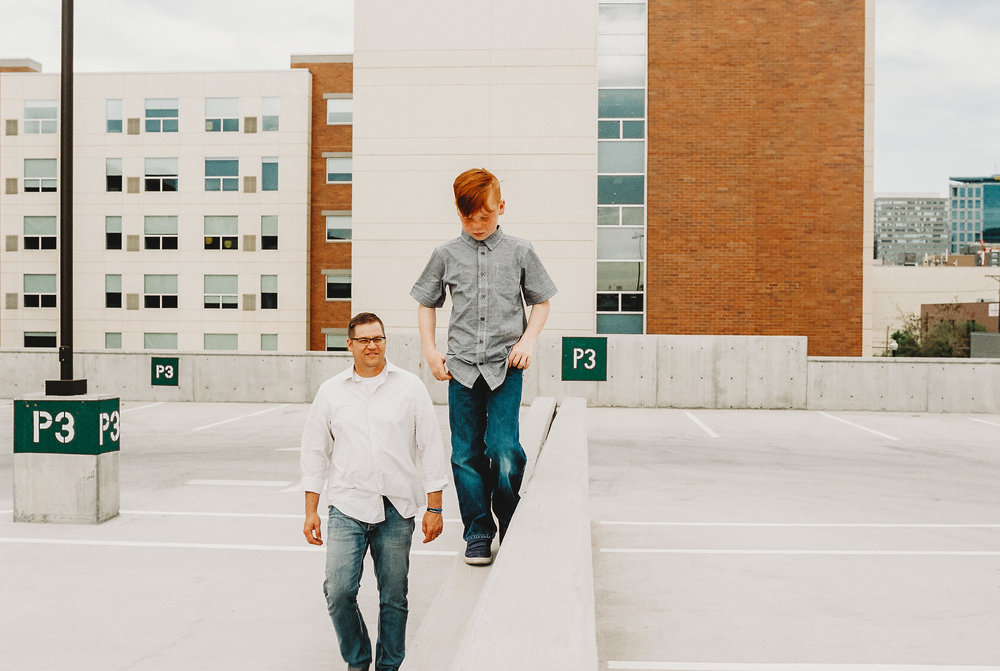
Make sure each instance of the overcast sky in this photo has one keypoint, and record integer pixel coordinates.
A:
(937, 83)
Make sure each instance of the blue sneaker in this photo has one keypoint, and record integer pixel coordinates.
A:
(478, 553)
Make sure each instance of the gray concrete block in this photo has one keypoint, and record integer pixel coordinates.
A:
(546, 554)
(966, 387)
(65, 488)
(867, 384)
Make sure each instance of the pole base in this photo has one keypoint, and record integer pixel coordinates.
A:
(65, 387)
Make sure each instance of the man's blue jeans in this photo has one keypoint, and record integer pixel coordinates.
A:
(347, 540)
(486, 456)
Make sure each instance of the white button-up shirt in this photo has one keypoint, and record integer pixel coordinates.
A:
(364, 438)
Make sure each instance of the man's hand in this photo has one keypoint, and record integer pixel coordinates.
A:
(313, 529)
(520, 354)
(436, 361)
(432, 526)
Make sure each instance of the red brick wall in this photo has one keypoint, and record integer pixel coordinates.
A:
(326, 78)
(756, 169)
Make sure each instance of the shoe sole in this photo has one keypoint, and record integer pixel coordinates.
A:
(478, 561)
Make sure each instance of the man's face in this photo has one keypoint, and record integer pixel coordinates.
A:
(369, 359)
(483, 224)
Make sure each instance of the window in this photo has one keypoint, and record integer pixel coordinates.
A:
(269, 231)
(220, 341)
(40, 291)
(268, 292)
(270, 110)
(159, 340)
(112, 232)
(269, 174)
(39, 117)
(269, 342)
(112, 291)
(338, 227)
(113, 175)
(161, 174)
(39, 175)
(39, 232)
(39, 339)
(221, 232)
(222, 115)
(338, 285)
(160, 232)
(112, 341)
(161, 115)
(336, 340)
(339, 111)
(114, 117)
(338, 170)
(222, 174)
(221, 292)
(160, 291)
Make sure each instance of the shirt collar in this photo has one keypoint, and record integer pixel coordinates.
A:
(353, 375)
(490, 242)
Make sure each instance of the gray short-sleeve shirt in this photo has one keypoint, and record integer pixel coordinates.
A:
(489, 281)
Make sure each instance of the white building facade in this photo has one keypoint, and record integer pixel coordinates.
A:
(191, 197)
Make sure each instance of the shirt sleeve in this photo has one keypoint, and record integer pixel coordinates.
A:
(317, 445)
(429, 289)
(430, 449)
(538, 286)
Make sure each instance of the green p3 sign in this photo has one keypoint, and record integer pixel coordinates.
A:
(585, 359)
(67, 426)
(164, 371)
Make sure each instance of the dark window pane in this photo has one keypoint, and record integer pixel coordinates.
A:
(621, 103)
(39, 340)
(32, 301)
(152, 242)
(607, 302)
(230, 242)
(169, 301)
(48, 300)
(213, 242)
(608, 129)
(633, 129)
(151, 301)
(231, 125)
(631, 302)
(112, 300)
(269, 242)
(168, 242)
(627, 189)
(269, 301)
(113, 240)
(33, 242)
(114, 182)
(48, 242)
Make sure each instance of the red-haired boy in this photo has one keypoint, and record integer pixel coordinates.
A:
(490, 276)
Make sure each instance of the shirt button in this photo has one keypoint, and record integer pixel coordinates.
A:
(482, 253)
(482, 319)
(480, 340)
(483, 296)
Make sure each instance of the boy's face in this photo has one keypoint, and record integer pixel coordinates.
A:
(483, 224)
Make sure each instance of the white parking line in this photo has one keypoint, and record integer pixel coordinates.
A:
(168, 513)
(236, 419)
(198, 546)
(983, 421)
(288, 449)
(701, 425)
(857, 426)
(849, 553)
(803, 525)
(143, 407)
(722, 666)
(239, 483)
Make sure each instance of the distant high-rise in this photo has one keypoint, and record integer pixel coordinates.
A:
(909, 226)
(975, 212)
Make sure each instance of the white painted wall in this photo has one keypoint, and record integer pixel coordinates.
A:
(898, 291)
(191, 145)
(440, 87)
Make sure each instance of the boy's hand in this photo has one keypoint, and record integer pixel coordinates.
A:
(432, 526)
(520, 354)
(438, 369)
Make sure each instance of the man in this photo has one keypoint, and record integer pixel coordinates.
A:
(490, 276)
(367, 430)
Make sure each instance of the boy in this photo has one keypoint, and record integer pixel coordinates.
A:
(490, 276)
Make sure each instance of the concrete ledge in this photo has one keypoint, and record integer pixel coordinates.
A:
(539, 596)
(65, 488)
(437, 641)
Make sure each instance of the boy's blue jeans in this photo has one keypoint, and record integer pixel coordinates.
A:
(486, 456)
(347, 541)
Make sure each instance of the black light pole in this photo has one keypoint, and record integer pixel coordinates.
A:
(66, 385)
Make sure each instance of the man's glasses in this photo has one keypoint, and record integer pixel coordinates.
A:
(378, 340)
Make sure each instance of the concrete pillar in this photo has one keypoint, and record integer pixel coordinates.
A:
(66, 458)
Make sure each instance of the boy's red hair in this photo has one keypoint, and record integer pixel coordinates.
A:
(473, 189)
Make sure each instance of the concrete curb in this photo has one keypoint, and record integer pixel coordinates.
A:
(536, 610)
(444, 626)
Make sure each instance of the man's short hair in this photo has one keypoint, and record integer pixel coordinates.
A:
(473, 189)
(363, 318)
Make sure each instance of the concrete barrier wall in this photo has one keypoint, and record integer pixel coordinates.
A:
(643, 371)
